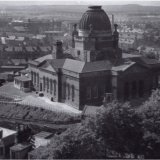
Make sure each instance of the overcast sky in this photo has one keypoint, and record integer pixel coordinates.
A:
(83, 2)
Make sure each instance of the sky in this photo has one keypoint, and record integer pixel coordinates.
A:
(83, 2)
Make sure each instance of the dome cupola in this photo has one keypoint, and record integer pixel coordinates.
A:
(96, 17)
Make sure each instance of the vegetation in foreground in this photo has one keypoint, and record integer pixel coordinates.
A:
(24, 112)
(117, 131)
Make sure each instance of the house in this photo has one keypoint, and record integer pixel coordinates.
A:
(23, 83)
(20, 151)
(42, 138)
(7, 138)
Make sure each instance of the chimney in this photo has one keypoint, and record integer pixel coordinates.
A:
(59, 50)
(17, 134)
(112, 21)
(74, 34)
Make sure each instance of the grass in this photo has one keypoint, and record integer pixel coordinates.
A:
(18, 111)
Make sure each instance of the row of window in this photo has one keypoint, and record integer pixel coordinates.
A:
(68, 91)
(133, 89)
(50, 85)
(94, 92)
(35, 77)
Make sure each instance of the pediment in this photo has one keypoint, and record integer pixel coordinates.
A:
(136, 68)
(47, 66)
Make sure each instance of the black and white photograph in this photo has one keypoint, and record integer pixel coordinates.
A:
(79, 79)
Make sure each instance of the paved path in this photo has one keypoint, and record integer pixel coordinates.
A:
(32, 99)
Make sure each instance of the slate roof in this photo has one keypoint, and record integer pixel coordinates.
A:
(84, 67)
(20, 146)
(123, 67)
(57, 63)
(97, 66)
(23, 78)
(41, 59)
(50, 65)
(73, 65)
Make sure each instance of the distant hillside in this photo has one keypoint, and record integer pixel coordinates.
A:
(49, 9)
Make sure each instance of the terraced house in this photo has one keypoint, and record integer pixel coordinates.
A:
(94, 67)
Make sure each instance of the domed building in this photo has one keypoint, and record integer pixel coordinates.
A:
(95, 39)
(94, 68)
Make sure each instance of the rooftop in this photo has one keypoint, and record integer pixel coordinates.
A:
(7, 132)
(20, 146)
(23, 78)
(44, 135)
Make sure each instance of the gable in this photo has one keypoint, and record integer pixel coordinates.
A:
(136, 68)
(47, 66)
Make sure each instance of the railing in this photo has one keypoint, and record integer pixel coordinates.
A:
(28, 104)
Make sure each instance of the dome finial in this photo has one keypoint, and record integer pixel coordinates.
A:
(95, 7)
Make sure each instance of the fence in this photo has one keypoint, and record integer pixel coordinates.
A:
(13, 97)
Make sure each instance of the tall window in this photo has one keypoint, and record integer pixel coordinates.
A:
(38, 79)
(64, 90)
(47, 84)
(126, 91)
(134, 89)
(54, 83)
(88, 92)
(32, 76)
(102, 91)
(141, 88)
(78, 52)
(44, 79)
(68, 87)
(51, 86)
(95, 92)
(73, 92)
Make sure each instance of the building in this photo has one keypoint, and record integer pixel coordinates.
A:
(23, 83)
(20, 151)
(127, 44)
(42, 139)
(96, 66)
(7, 138)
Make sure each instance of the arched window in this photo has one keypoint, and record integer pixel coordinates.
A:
(141, 88)
(64, 90)
(126, 91)
(88, 93)
(44, 79)
(73, 92)
(47, 84)
(55, 84)
(51, 86)
(95, 92)
(37, 79)
(68, 87)
(134, 89)
(32, 76)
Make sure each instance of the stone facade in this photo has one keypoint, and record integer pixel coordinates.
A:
(95, 67)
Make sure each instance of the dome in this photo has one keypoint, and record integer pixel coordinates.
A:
(96, 17)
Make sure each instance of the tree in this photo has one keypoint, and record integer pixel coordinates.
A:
(150, 112)
(75, 143)
(120, 126)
